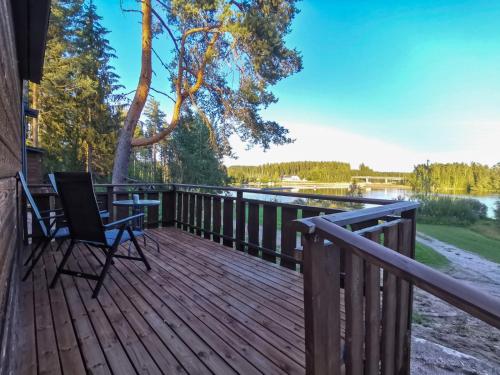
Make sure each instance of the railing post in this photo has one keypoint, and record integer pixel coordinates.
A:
(109, 202)
(24, 214)
(168, 207)
(411, 215)
(240, 221)
(321, 306)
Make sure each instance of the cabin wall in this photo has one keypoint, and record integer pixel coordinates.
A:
(35, 167)
(10, 163)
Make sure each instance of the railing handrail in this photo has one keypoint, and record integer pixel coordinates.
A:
(335, 198)
(350, 217)
(455, 292)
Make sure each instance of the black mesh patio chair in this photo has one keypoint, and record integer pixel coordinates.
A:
(104, 213)
(86, 227)
(46, 222)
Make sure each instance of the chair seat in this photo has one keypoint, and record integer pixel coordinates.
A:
(113, 233)
(60, 232)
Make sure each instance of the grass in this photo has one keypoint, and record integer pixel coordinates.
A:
(488, 228)
(468, 238)
(424, 254)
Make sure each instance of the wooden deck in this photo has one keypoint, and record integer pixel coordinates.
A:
(203, 308)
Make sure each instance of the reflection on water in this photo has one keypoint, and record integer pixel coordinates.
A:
(380, 193)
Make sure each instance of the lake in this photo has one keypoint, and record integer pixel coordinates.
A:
(381, 193)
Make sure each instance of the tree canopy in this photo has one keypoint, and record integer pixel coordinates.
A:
(225, 57)
(463, 177)
(79, 118)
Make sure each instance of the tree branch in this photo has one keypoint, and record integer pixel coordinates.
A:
(206, 121)
(161, 61)
(162, 93)
(201, 71)
(164, 24)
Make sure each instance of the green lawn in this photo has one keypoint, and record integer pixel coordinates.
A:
(424, 254)
(466, 238)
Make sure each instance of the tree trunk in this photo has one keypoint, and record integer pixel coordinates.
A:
(122, 156)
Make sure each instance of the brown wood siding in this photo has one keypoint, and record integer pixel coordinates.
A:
(10, 163)
(35, 174)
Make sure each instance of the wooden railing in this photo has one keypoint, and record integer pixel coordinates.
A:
(236, 217)
(352, 270)
(357, 261)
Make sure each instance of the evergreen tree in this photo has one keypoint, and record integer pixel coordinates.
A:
(192, 159)
(96, 85)
(78, 120)
(154, 122)
(57, 122)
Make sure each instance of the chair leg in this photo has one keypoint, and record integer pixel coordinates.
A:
(105, 268)
(62, 264)
(94, 254)
(33, 251)
(138, 248)
(36, 258)
(59, 245)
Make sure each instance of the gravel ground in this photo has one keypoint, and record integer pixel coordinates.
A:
(447, 340)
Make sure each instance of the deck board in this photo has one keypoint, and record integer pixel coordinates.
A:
(202, 309)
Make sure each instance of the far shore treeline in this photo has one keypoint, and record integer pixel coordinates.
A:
(428, 177)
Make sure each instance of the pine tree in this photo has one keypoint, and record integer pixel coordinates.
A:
(192, 159)
(57, 123)
(155, 120)
(97, 83)
(79, 121)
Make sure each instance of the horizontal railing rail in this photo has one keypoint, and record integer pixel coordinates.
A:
(337, 198)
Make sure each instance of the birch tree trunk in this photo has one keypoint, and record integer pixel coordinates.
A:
(122, 155)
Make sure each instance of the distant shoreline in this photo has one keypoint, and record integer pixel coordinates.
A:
(323, 185)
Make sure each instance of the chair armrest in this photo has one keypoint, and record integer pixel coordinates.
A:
(123, 221)
(103, 211)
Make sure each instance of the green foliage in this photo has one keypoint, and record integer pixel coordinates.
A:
(312, 171)
(497, 212)
(191, 157)
(331, 171)
(150, 163)
(78, 118)
(448, 210)
(239, 50)
(186, 157)
(428, 178)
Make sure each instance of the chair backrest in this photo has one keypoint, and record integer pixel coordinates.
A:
(76, 192)
(52, 180)
(34, 208)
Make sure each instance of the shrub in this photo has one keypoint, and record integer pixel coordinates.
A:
(497, 212)
(448, 210)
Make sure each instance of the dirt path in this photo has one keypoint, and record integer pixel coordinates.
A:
(445, 339)
(471, 268)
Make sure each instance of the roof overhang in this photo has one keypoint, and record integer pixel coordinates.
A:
(31, 20)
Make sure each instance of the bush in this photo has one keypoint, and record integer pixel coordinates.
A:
(452, 211)
(497, 212)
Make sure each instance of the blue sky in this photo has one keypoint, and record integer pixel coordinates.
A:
(389, 84)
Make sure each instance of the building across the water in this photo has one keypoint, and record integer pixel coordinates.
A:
(291, 179)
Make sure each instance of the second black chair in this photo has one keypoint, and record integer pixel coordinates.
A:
(85, 226)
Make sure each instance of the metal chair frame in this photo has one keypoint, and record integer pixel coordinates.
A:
(104, 213)
(48, 233)
(94, 234)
